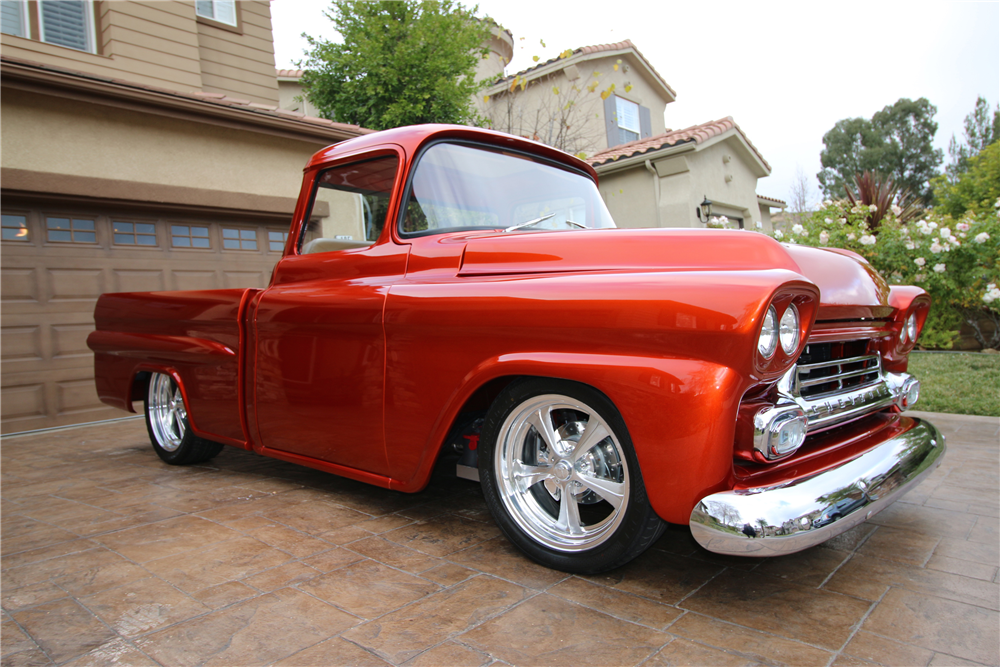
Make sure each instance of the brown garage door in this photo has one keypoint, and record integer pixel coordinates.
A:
(56, 262)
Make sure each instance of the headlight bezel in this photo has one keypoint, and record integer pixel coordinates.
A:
(793, 330)
(768, 328)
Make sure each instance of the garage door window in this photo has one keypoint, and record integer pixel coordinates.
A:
(239, 239)
(276, 241)
(70, 230)
(189, 236)
(15, 228)
(134, 233)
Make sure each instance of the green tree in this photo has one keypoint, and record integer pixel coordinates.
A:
(977, 189)
(896, 143)
(400, 63)
(980, 132)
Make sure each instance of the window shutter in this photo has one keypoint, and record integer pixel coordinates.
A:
(645, 123)
(12, 12)
(65, 22)
(611, 120)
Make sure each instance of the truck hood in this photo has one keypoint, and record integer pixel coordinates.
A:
(845, 279)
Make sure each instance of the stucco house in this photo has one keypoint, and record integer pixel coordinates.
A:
(585, 101)
(665, 179)
(144, 148)
(607, 103)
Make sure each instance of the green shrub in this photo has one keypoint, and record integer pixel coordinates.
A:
(956, 261)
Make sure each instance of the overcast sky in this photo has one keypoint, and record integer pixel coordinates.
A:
(785, 71)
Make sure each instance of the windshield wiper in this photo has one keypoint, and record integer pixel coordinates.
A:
(529, 223)
(576, 224)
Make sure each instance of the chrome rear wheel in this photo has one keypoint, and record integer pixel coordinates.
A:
(167, 414)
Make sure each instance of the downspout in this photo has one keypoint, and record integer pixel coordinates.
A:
(656, 190)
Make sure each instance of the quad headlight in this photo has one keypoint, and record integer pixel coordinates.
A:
(768, 340)
(911, 327)
(789, 329)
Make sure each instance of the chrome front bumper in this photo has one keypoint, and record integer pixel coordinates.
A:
(783, 519)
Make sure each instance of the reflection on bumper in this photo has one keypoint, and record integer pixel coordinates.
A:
(777, 520)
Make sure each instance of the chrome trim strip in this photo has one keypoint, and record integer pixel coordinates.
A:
(783, 519)
(839, 362)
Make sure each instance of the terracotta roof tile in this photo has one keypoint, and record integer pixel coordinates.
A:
(776, 201)
(596, 48)
(217, 99)
(696, 133)
(289, 73)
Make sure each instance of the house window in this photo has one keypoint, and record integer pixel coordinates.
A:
(223, 11)
(276, 241)
(189, 236)
(14, 14)
(68, 23)
(627, 115)
(239, 239)
(70, 230)
(15, 227)
(134, 233)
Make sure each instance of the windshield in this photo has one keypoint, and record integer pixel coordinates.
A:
(458, 187)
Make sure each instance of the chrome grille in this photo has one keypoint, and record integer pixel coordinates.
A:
(837, 375)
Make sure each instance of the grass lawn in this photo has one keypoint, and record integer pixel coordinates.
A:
(961, 383)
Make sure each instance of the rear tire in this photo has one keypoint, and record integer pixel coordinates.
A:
(169, 428)
(561, 478)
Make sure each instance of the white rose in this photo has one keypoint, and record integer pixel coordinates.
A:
(798, 229)
(933, 225)
(920, 261)
(872, 208)
(945, 232)
(981, 237)
(962, 227)
(939, 268)
(828, 221)
(936, 248)
(851, 236)
(778, 234)
(829, 202)
(962, 234)
(910, 245)
(842, 221)
(896, 210)
(824, 237)
(867, 239)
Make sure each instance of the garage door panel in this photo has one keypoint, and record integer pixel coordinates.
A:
(19, 285)
(70, 341)
(23, 401)
(75, 284)
(77, 396)
(194, 280)
(138, 280)
(20, 344)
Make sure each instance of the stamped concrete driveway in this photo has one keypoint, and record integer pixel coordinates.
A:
(111, 557)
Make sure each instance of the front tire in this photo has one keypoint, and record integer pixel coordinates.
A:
(561, 478)
(168, 425)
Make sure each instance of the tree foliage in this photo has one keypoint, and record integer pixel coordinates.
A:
(980, 132)
(400, 63)
(976, 189)
(896, 143)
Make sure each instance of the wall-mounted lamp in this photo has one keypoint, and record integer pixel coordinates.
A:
(704, 211)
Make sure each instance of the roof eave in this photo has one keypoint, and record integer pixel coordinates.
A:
(47, 80)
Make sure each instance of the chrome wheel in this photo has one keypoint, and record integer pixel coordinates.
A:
(562, 474)
(167, 415)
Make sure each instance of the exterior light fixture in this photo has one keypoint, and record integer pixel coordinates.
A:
(704, 210)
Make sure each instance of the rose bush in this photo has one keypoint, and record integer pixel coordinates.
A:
(956, 260)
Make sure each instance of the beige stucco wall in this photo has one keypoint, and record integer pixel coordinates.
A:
(588, 117)
(45, 134)
(501, 47)
(288, 91)
(684, 180)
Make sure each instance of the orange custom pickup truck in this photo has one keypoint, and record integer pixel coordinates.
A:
(441, 282)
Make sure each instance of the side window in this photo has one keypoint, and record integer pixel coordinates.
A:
(349, 206)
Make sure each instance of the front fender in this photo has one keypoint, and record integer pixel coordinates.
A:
(680, 413)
